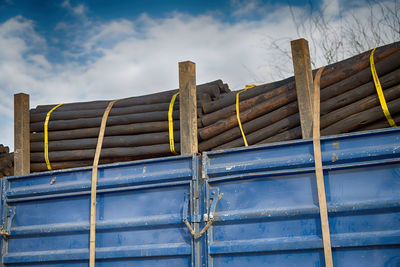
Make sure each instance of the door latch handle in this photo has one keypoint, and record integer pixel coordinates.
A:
(215, 196)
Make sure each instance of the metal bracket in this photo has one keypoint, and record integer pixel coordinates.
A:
(8, 223)
(215, 196)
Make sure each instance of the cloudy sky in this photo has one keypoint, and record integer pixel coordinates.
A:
(67, 50)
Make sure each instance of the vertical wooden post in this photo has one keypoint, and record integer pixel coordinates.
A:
(21, 134)
(304, 84)
(188, 107)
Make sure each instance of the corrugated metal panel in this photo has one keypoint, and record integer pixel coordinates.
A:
(269, 216)
(139, 215)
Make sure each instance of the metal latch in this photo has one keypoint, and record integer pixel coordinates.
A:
(215, 196)
(6, 229)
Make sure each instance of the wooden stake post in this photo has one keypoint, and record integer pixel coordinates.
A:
(21, 134)
(308, 98)
(304, 84)
(188, 107)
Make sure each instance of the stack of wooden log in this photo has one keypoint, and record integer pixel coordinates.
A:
(6, 162)
(269, 113)
(138, 127)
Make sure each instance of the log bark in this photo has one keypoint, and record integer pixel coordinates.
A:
(93, 113)
(249, 127)
(228, 111)
(345, 68)
(136, 128)
(383, 67)
(211, 88)
(266, 132)
(249, 114)
(291, 134)
(360, 119)
(380, 124)
(332, 74)
(359, 106)
(387, 81)
(95, 122)
(108, 142)
(115, 152)
(230, 98)
(159, 116)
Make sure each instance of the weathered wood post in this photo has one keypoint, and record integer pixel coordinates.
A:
(188, 107)
(308, 98)
(21, 134)
(304, 84)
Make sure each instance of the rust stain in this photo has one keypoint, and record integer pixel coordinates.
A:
(334, 157)
(336, 144)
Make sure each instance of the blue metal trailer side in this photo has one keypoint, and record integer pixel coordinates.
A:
(256, 205)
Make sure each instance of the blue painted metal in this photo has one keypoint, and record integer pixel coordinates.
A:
(139, 222)
(260, 204)
(269, 215)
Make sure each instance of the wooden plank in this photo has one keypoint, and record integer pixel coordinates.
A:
(21, 134)
(188, 107)
(304, 84)
(323, 210)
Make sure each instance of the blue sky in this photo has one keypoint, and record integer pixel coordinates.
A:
(71, 50)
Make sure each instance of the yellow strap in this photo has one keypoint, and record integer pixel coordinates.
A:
(93, 192)
(380, 92)
(171, 124)
(46, 137)
(238, 112)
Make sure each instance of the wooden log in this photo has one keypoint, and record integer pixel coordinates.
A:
(93, 113)
(108, 142)
(249, 127)
(4, 149)
(266, 132)
(332, 74)
(228, 111)
(95, 122)
(225, 89)
(115, 152)
(249, 114)
(342, 100)
(128, 129)
(211, 88)
(360, 119)
(291, 134)
(383, 67)
(21, 134)
(230, 98)
(359, 106)
(348, 67)
(151, 117)
(304, 84)
(383, 123)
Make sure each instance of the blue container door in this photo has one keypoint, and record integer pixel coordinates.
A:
(139, 215)
(268, 214)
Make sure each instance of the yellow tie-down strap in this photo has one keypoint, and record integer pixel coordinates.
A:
(380, 92)
(238, 112)
(46, 137)
(171, 123)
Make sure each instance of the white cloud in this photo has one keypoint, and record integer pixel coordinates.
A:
(134, 57)
(78, 10)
